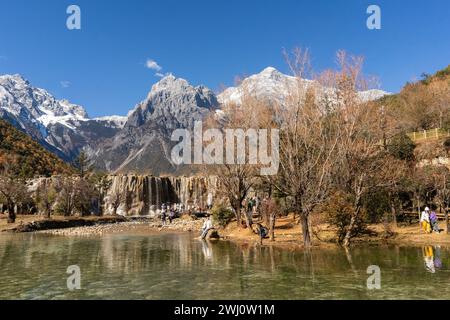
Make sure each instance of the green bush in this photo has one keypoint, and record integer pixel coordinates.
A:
(338, 210)
(222, 215)
(401, 147)
(376, 204)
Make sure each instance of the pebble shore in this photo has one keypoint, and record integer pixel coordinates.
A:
(141, 226)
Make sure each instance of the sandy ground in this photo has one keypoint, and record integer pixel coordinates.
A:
(287, 232)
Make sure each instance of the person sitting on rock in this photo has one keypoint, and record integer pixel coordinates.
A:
(262, 231)
(207, 225)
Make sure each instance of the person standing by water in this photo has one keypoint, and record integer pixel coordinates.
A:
(425, 220)
(163, 214)
(171, 215)
(434, 222)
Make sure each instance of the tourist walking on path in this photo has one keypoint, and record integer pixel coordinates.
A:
(425, 220)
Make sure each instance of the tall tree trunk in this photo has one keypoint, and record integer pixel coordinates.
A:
(11, 213)
(393, 211)
(418, 204)
(348, 234)
(48, 210)
(237, 213)
(248, 219)
(446, 220)
(305, 230)
(272, 226)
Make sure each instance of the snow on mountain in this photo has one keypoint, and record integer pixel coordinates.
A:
(128, 142)
(270, 83)
(60, 126)
(144, 144)
(174, 101)
(115, 121)
(275, 86)
(372, 94)
(28, 103)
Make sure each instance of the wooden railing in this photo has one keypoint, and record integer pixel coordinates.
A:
(429, 134)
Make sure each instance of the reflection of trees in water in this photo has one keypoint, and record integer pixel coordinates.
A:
(240, 266)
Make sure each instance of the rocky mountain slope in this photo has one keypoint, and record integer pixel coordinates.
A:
(143, 145)
(61, 127)
(140, 142)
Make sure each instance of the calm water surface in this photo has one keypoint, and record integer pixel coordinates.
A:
(177, 266)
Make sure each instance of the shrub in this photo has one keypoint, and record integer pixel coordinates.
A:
(401, 147)
(376, 204)
(338, 210)
(222, 215)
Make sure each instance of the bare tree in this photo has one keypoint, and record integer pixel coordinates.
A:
(45, 197)
(269, 212)
(441, 178)
(361, 158)
(66, 188)
(236, 179)
(116, 198)
(13, 192)
(308, 145)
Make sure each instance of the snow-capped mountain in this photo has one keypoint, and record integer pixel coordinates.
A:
(144, 144)
(60, 126)
(29, 104)
(275, 86)
(139, 142)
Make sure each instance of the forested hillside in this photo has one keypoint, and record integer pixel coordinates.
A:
(20, 155)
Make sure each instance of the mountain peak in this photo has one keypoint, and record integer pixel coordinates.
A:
(170, 82)
(269, 71)
(13, 78)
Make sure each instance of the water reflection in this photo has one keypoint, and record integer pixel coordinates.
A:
(174, 266)
(207, 249)
(432, 258)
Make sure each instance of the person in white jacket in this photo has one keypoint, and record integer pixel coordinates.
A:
(425, 220)
(207, 225)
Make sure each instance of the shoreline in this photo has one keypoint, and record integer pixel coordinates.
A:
(287, 234)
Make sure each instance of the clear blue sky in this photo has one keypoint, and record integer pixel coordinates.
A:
(209, 42)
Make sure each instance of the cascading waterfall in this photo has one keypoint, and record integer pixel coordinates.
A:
(146, 194)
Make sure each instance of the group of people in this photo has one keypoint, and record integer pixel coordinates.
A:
(252, 204)
(168, 213)
(429, 221)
